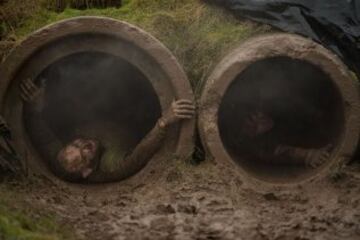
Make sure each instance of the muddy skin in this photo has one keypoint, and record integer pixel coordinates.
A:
(258, 124)
(79, 160)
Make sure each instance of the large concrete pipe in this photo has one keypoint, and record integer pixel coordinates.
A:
(309, 93)
(116, 71)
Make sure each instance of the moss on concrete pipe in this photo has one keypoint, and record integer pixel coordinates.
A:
(131, 70)
(310, 93)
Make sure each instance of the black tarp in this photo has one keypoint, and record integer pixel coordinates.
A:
(333, 23)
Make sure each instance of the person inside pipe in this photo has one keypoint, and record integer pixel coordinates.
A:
(79, 159)
(263, 142)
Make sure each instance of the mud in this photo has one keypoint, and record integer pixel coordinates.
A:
(180, 201)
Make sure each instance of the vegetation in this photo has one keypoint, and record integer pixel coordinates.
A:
(21, 222)
(197, 33)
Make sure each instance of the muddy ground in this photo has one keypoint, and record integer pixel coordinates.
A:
(181, 201)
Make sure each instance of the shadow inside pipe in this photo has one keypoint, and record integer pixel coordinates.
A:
(99, 96)
(280, 115)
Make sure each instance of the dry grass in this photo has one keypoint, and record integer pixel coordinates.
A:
(197, 34)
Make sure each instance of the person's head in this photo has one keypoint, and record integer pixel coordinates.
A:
(257, 123)
(79, 157)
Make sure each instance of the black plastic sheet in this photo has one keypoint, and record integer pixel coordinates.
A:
(333, 23)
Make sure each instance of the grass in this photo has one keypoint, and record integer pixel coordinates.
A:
(21, 222)
(198, 34)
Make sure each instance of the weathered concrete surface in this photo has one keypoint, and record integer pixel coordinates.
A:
(174, 200)
(87, 34)
(279, 45)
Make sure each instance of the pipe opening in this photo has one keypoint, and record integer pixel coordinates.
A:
(277, 115)
(105, 79)
(97, 95)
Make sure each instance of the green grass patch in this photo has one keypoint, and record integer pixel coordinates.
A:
(198, 34)
(21, 222)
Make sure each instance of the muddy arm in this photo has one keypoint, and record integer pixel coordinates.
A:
(45, 140)
(147, 147)
(300, 156)
(136, 160)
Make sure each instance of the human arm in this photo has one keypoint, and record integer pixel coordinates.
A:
(311, 158)
(46, 141)
(180, 110)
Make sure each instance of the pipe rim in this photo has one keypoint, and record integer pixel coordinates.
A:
(121, 30)
(268, 46)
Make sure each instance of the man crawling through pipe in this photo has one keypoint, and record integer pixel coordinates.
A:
(260, 131)
(79, 159)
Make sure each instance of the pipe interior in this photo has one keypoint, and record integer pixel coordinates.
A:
(99, 95)
(303, 103)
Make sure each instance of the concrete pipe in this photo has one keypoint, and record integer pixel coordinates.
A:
(107, 65)
(303, 95)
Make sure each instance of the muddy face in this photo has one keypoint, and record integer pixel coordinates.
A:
(79, 154)
(99, 96)
(257, 123)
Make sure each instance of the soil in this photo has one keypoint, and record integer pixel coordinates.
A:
(182, 201)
